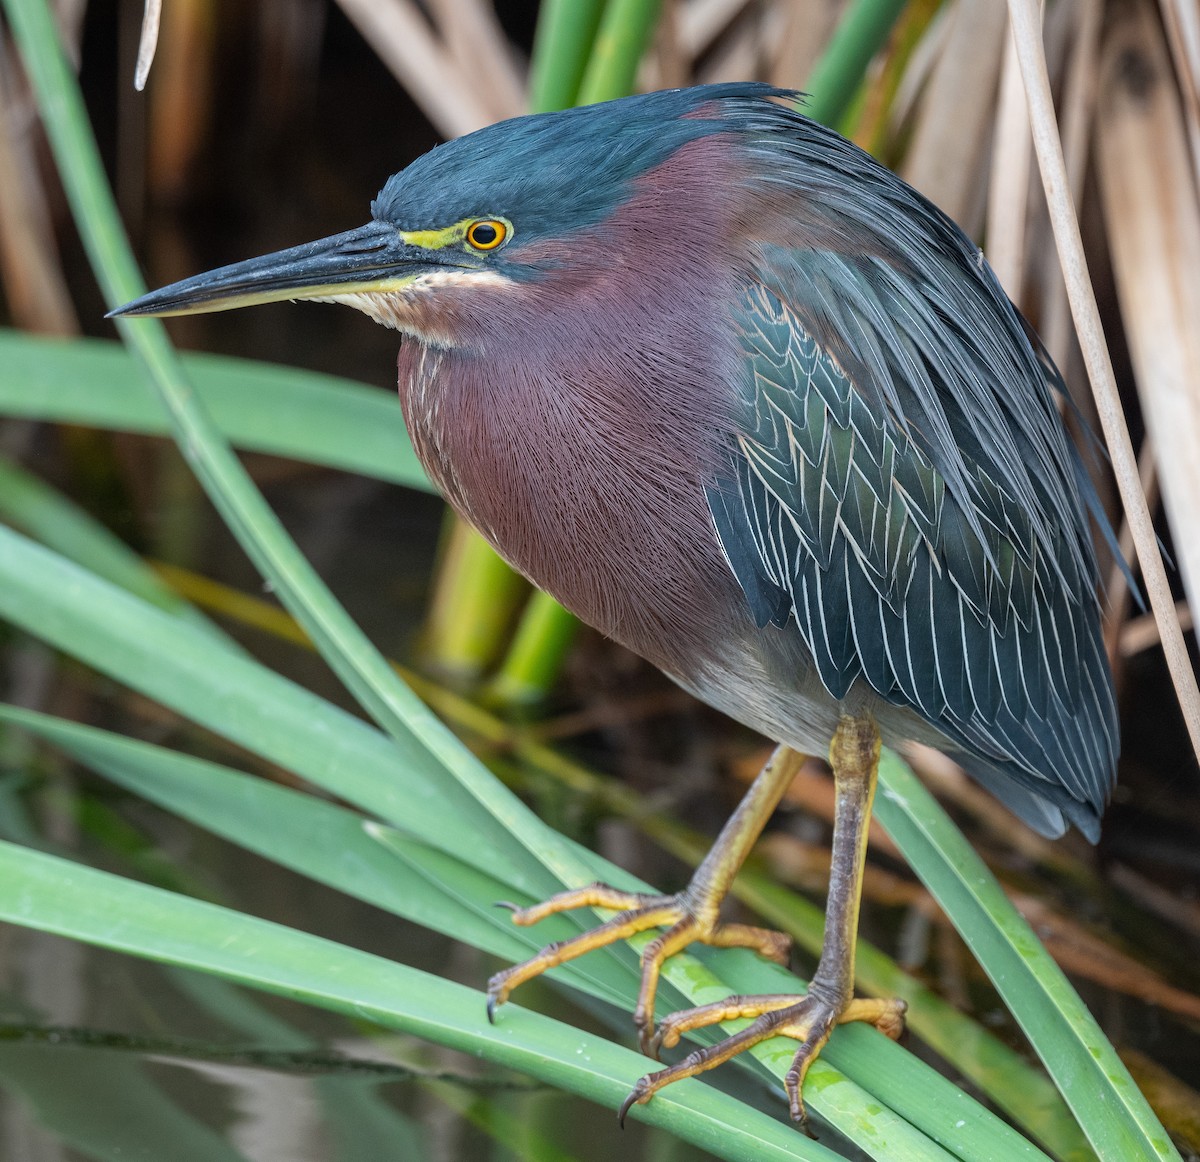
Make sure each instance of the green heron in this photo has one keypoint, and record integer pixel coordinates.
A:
(746, 402)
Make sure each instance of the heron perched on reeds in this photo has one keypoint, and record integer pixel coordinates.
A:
(746, 402)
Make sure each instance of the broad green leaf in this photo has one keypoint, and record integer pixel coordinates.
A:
(1018, 1087)
(261, 407)
(176, 664)
(347, 852)
(1000, 1073)
(341, 642)
(189, 670)
(336, 846)
(60, 524)
(1091, 1077)
(55, 895)
(332, 845)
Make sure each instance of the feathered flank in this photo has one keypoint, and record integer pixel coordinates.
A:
(909, 497)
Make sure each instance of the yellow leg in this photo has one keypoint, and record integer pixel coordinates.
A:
(692, 917)
(854, 756)
(689, 917)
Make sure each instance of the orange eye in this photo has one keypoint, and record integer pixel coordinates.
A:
(486, 234)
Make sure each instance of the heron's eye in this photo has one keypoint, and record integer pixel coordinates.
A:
(486, 234)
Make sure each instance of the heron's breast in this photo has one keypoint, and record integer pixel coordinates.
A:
(592, 486)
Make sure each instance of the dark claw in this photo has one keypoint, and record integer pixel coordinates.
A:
(507, 904)
(796, 1106)
(491, 1010)
(630, 1101)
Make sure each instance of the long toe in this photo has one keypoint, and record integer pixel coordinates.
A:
(808, 1019)
(640, 913)
(687, 918)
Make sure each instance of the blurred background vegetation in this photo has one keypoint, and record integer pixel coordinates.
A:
(267, 124)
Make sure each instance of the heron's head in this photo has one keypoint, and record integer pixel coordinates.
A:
(500, 208)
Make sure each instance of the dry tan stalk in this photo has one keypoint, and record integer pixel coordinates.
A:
(921, 63)
(668, 67)
(1181, 18)
(29, 261)
(951, 784)
(1153, 219)
(945, 158)
(1079, 103)
(1027, 32)
(1079, 951)
(182, 103)
(737, 55)
(806, 27)
(1141, 633)
(609, 712)
(1081, 67)
(702, 22)
(481, 51)
(1165, 903)
(1008, 190)
(1041, 277)
(147, 43)
(404, 41)
(877, 111)
(1117, 590)
(1076, 949)
(803, 865)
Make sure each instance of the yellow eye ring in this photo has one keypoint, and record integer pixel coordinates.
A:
(487, 234)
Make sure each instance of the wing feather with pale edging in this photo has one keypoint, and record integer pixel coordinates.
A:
(927, 557)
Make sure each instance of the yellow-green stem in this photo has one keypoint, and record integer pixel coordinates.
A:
(542, 641)
(475, 601)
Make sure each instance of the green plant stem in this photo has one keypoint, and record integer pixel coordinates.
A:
(862, 31)
(474, 605)
(145, 921)
(541, 643)
(562, 44)
(870, 112)
(1021, 1091)
(1077, 1056)
(584, 52)
(476, 595)
(262, 407)
(624, 34)
(184, 669)
(1058, 1024)
(49, 517)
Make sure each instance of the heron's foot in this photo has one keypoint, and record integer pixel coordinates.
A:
(808, 1019)
(689, 918)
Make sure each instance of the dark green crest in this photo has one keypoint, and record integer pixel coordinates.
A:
(558, 172)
